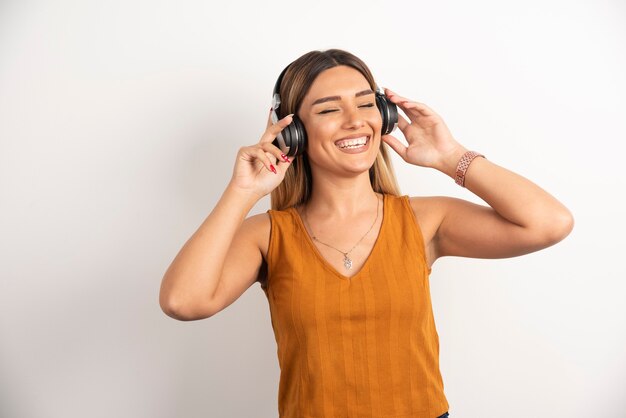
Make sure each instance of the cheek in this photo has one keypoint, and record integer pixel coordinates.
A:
(320, 132)
(377, 122)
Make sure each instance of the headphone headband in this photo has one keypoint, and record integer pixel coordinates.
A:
(276, 92)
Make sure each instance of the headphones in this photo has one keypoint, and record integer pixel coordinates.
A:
(292, 140)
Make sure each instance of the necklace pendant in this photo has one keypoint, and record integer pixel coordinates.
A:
(347, 263)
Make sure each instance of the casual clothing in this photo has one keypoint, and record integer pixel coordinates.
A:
(364, 346)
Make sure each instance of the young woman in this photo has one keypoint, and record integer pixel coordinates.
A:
(343, 258)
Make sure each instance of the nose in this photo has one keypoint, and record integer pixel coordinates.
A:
(353, 118)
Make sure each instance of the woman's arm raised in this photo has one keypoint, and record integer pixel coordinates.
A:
(522, 217)
(225, 242)
(191, 280)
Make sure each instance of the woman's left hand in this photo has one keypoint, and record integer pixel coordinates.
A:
(430, 140)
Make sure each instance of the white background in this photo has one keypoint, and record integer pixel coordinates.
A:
(119, 125)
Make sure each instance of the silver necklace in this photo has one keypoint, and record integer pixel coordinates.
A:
(347, 261)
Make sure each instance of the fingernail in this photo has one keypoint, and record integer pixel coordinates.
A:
(284, 157)
(272, 168)
(291, 114)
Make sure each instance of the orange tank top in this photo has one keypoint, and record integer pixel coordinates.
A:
(364, 346)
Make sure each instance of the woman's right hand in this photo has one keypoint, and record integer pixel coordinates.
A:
(252, 172)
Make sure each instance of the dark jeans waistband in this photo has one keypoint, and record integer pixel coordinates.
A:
(445, 415)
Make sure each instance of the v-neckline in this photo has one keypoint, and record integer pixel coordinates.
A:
(325, 262)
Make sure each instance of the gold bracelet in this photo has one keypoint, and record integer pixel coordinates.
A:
(464, 162)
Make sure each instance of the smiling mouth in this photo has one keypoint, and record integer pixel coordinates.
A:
(352, 143)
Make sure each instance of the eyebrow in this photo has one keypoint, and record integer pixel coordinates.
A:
(331, 98)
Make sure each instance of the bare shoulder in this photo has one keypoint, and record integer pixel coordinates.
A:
(259, 227)
(429, 212)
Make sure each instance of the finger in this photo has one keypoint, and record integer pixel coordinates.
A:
(271, 158)
(394, 96)
(417, 106)
(272, 131)
(402, 123)
(264, 157)
(276, 162)
(275, 152)
(254, 154)
(395, 144)
(402, 102)
(406, 104)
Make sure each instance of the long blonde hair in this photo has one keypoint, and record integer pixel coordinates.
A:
(295, 188)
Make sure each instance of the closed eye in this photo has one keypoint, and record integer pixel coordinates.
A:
(334, 110)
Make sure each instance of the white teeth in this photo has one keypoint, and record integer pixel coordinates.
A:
(352, 143)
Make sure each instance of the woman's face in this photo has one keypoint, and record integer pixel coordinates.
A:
(340, 104)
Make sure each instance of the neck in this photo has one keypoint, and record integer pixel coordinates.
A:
(341, 199)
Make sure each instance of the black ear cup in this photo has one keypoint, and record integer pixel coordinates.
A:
(292, 140)
(388, 111)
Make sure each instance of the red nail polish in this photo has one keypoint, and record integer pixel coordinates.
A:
(272, 168)
(284, 157)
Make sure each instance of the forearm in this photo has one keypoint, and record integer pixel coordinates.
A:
(512, 196)
(196, 269)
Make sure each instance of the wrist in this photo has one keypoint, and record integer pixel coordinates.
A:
(245, 196)
(463, 165)
(450, 161)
